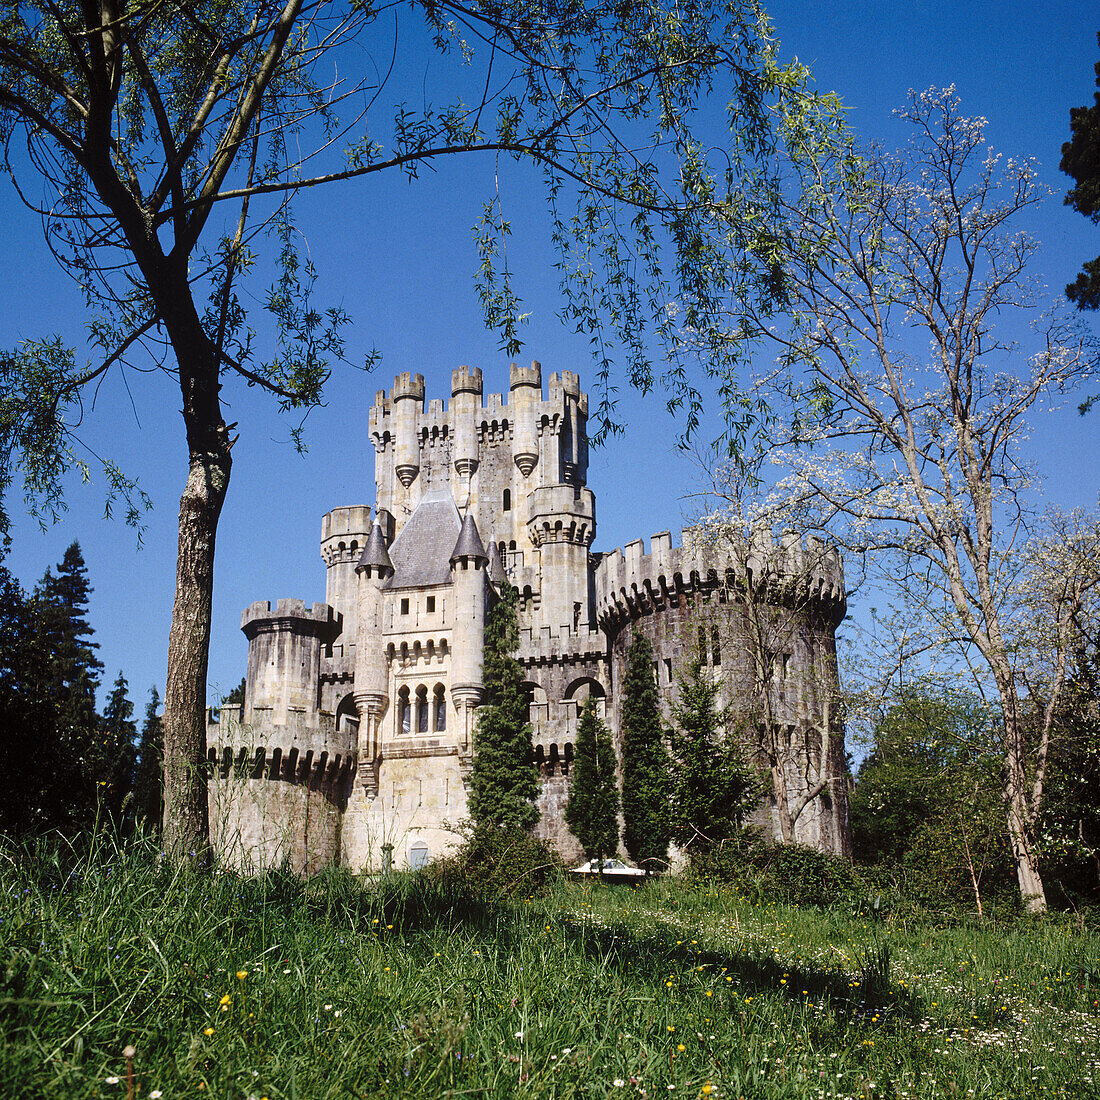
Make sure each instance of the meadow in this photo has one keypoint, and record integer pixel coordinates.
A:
(122, 978)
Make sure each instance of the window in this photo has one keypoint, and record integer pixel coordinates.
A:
(440, 708)
(421, 710)
(431, 604)
(404, 713)
(405, 606)
(716, 648)
(507, 500)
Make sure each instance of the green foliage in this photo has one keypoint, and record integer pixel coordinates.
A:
(1081, 160)
(927, 801)
(119, 754)
(503, 782)
(149, 771)
(713, 788)
(592, 812)
(647, 781)
(495, 864)
(236, 696)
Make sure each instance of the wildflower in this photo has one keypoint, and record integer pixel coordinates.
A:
(208, 1031)
(708, 1088)
(225, 999)
(618, 1082)
(671, 1027)
(519, 1034)
(156, 1094)
(110, 1080)
(242, 974)
(680, 1047)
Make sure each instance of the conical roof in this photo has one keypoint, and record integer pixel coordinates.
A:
(496, 566)
(469, 543)
(375, 552)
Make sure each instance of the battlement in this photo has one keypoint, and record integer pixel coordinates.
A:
(466, 380)
(546, 645)
(562, 513)
(631, 582)
(353, 519)
(407, 385)
(290, 615)
(519, 377)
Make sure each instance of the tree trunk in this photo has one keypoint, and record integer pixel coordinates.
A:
(1019, 814)
(186, 824)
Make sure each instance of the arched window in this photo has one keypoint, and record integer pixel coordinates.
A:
(507, 500)
(422, 709)
(716, 648)
(440, 708)
(404, 711)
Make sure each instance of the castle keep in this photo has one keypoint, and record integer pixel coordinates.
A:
(356, 735)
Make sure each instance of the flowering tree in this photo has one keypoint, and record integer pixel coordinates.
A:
(912, 457)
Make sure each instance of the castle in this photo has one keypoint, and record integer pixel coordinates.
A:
(354, 743)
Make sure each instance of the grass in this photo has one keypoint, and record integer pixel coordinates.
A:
(273, 987)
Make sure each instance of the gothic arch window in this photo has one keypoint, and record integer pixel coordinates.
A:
(507, 500)
(421, 709)
(716, 648)
(404, 711)
(439, 708)
(568, 759)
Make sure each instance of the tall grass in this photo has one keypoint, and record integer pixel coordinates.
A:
(335, 987)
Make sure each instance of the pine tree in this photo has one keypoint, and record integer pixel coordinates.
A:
(149, 771)
(503, 783)
(646, 778)
(70, 676)
(118, 753)
(593, 808)
(712, 787)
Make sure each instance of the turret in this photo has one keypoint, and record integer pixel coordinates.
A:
(468, 565)
(344, 533)
(565, 393)
(465, 402)
(373, 569)
(408, 403)
(525, 395)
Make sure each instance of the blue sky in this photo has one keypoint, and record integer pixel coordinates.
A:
(399, 258)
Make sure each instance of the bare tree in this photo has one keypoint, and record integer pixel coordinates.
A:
(153, 126)
(901, 267)
(790, 598)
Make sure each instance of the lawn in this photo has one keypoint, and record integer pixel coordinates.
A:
(278, 988)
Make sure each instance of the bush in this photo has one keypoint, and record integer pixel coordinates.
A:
(495, 864)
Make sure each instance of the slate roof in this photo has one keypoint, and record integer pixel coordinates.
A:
(374, 553)
(469, 543)
(496, 567)
(421, 554)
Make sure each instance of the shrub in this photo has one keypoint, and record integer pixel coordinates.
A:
(495, 864)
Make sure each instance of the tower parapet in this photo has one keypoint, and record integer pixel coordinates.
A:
(525, 392)
(344, 533)
(465, 400)
(407, 398)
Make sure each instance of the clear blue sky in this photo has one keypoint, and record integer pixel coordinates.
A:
(400, 258)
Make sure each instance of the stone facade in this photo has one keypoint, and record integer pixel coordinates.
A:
(355, 739)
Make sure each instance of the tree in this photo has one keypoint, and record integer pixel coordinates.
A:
(647, 784)
(912, 458)
(925, 803)
(712, 788)
(503, 782)
(1081, 160)
(169, 136)
(69, 677)
(119, 753)
(797, 736)
(592, 812)
(149, 769)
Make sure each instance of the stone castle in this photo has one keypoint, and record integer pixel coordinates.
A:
(355, 739)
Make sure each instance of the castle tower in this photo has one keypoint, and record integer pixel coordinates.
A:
(344, 533)
(525, 394)
(468, 575)
(373, 569)
(408, 404)
(465, 402)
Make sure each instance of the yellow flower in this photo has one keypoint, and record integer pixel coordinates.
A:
(225, 1000)
(708, 1088)
(242, 974)
(208, 1031)
(680, 1047)
(671, 1028)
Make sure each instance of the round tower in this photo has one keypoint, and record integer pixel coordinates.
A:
(344, 533)
(465, 402)
(408, 404)
(525, 395)
(373, 569)
(468, 572)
